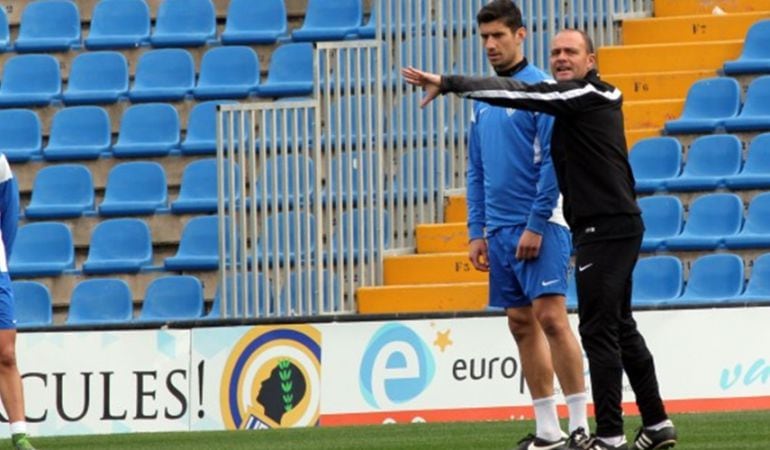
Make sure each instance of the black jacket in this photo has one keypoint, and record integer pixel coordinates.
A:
(588, 147)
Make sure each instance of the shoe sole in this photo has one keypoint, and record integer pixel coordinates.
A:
(665, 445)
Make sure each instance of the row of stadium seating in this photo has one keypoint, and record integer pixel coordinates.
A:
(54, 25)
(713, 162)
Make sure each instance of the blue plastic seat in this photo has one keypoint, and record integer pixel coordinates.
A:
(290, 72)
(62, 190)
(5, 33)
(663, 216)
(713, 279)
(33, 306)
(300, 130)
(709, 102)
(710, 161)
(119, 246)
(198, 247)
(184, 23)
(30, 80)
(756, 170)
(119, 24)
(654, 161)
(352, 169)
(42, 249)
(330, 20)
(228, 72)
(657, 279)
(49, 26)
(430, 172)
(163, 75)
(284, 237)
(100, 301)
(758, 286)
(79, 132)
(237, 306)
(712, 218)
(301, 295)
(293, 183)
(134, 188)
(250, 22)
(198, 189)
(755, 114)
(755, 56)
(97, 77)
(201, 136)
(176, 297)
(352, 238)
(20, 134)
(756, 229)
(150, 129)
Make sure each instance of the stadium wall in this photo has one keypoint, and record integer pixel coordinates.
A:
(362, 372)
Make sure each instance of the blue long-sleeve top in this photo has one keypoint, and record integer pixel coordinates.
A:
(510, 177)
(9, 211)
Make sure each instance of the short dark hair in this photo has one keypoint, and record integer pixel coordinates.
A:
(503, 10)
(586, 38)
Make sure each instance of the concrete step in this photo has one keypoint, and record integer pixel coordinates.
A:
(658, 85)
(455, 208)
(652, 113)
(431, 269)
(667, 8)
(423, 298)
(697, 28)
(442, 237)
(654, 58)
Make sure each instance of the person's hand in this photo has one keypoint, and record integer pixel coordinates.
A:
(430, 82)
(477, 254)
(529, 245)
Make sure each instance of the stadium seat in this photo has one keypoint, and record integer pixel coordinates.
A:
(756, 170)
(30, 80)
(758, 286)
(236, 307)
(184, 23)
(79, 132)
(150, 129)
(709, 102)
(60, 191)
(135, 188)
(33, 306)
(198, 189)
(119, 24)
(119, 246)
(97, 77)
(300, 294)
(657, 279)
(20, 134)
(424, 169)
(755, 56)
(163, 75)
(290, 72)
(201, 136)
(297, 131)
(198, 247)
(270, 178)
(42, 249)
(228, 72)
(710, 160)
(755, 115)
(5, 33)
(282, 246)
(713, 279)
(663, 216)
(330, 20)
(712, 218)
(654, 161)
(353, 114)
(100, 301)
(176, 297)
(250, 22)
(756, 229)
(352, 168)
(352, 239)
(49, 26)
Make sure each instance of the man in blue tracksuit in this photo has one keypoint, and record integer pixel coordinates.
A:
(10, 380)
(518, 233)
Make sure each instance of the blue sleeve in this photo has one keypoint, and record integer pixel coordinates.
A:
(547, 185)
(9, 213)
(475, 182)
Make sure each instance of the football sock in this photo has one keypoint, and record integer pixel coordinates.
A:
(578, 417)
(546, 419)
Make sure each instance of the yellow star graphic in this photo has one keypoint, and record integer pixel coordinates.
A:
(442, 340)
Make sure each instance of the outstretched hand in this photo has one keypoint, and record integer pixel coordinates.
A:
(430, 82)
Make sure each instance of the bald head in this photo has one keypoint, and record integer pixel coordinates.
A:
(572, 55)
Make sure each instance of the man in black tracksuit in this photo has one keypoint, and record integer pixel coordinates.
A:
(589, 152)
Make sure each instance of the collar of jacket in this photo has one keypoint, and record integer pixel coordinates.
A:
(513, 70)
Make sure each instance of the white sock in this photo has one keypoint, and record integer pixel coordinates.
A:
(660, 425)
(613, 441)
(578, 418)
(546, 419)
(19, 427)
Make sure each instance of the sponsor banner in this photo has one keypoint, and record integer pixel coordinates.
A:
(104, 382)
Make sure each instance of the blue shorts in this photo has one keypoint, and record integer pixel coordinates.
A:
(7, 309)
(514, 283)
